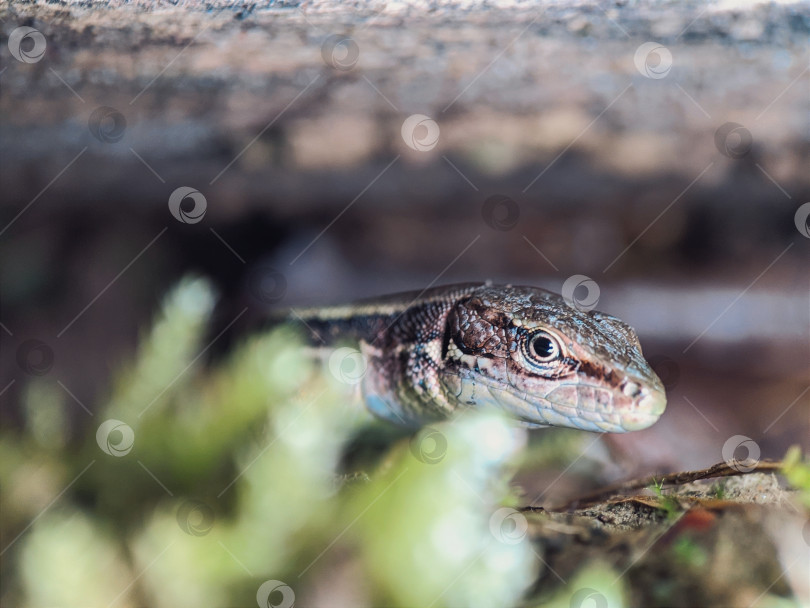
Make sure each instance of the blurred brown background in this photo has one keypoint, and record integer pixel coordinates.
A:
(673, 175)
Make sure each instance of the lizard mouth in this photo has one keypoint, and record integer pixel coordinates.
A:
(628, 406)
(583, 406)
(590, 407)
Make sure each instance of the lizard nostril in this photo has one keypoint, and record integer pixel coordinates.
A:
(653, 402)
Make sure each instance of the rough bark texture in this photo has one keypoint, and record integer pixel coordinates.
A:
(511, 85)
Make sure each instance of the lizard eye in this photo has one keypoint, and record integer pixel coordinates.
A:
(543, 347)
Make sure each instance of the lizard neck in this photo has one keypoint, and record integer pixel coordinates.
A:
(403, 344)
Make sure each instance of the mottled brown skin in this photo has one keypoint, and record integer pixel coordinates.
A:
(519, 349)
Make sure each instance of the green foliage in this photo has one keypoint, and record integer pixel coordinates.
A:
(796, 469)
(689, 553)
(669, 505)
(595, 584)
(428, 518)
(196, 484)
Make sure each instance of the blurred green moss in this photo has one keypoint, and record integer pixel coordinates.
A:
(596, 584)
(689, 554)
(796, 468)
(199, 484)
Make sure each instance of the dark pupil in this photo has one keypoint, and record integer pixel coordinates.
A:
(543, 347)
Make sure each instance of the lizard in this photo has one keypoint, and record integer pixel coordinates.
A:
(432, 354)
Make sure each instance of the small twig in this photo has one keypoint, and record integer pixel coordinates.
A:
(722, 469)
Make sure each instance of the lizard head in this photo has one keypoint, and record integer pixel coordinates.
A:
(525, 351)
